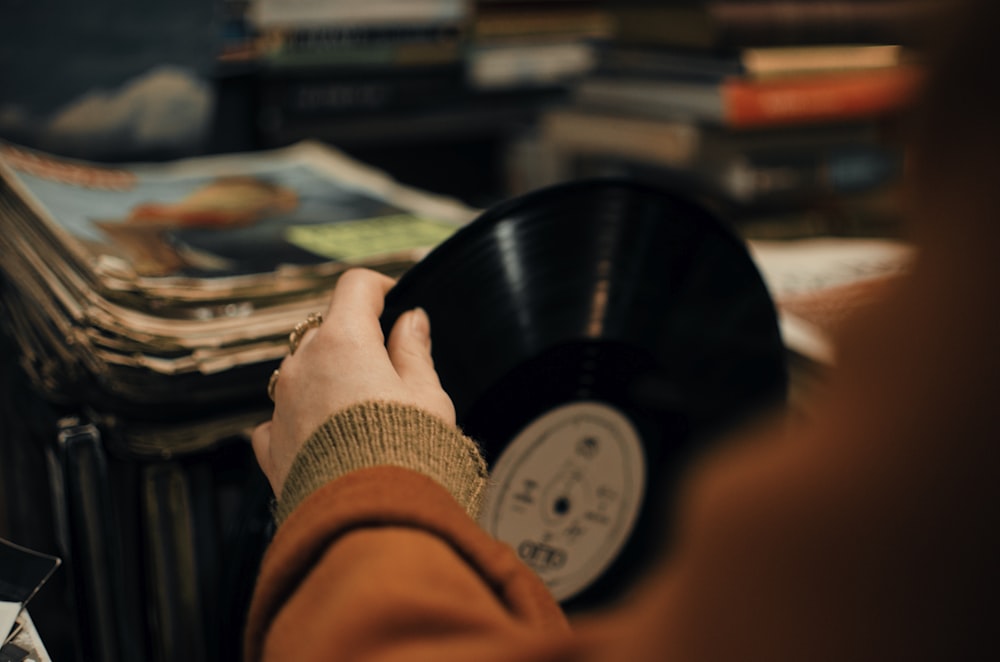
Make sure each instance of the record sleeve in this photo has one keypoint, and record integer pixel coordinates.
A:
(155, 288)
(593, 336)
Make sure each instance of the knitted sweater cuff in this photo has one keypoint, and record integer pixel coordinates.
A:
(386, 433)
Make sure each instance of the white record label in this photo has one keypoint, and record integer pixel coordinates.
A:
(566, 492)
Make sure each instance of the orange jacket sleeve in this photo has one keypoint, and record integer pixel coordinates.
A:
(866, 532)
(384, 564)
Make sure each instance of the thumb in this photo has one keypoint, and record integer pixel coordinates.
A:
(409, 349)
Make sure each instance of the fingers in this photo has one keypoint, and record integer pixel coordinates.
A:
(358, 300)
(410, 349)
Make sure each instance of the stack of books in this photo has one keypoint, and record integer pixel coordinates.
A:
(517, 45)
(769, 105)
(164, 293)
(321, 63)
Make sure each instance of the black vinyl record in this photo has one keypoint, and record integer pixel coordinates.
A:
(592, 335)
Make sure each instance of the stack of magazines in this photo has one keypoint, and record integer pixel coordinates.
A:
(161, 292)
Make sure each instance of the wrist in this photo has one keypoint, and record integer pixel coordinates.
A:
(378, 433)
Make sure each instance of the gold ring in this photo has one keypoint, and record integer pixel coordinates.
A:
(295, 337)
(271, 384)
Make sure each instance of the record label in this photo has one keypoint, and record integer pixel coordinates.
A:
(566, 493)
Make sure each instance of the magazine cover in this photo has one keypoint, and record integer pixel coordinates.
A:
(262, 224)
(178, 282)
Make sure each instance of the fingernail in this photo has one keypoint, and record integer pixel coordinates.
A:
(420, 324)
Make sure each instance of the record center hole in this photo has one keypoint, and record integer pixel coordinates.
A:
(561, 506)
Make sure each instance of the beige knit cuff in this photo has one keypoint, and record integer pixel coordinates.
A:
(370, 434)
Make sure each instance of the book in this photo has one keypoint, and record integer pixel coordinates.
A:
(725, 25)
(327, 92)
(749, 167)
(506, 66)
(355, 35)
(372, 56)
(342, 46)
(537, 20)
(756, 182)
(745, 103)
(749, 63)
(531, 45)
(483, 114)
(307, 13)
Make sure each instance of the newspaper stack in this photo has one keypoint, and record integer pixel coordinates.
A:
(152, 289)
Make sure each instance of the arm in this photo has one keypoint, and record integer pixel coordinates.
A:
(378, 554)
(384, 564)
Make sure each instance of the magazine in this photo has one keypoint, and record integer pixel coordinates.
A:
(179, 282)
(260, 224)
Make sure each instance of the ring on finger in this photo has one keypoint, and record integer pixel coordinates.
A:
(271, 384)
(299, 332)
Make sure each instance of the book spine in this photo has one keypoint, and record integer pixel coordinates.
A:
(726, 25)
(307, 13)
(668, 143)
(338, 96)
(749, 104)
(498, 67)
(743, 23)
(792, 176)
(761, 180)
(358, 36)
(399, 55)
(574, 23)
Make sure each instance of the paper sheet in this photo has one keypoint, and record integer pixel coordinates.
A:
(8, 615)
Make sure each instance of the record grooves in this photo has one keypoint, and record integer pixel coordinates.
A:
(601, 311)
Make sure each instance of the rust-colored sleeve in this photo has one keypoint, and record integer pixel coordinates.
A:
(384, 564)
(866, 532)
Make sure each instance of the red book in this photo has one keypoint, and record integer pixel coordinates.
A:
(745, 103)
(818, 98)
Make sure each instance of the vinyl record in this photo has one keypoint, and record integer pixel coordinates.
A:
(592, 335)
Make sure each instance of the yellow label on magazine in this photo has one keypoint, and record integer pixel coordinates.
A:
(366, 238)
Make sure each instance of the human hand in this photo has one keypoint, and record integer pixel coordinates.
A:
(346, 361)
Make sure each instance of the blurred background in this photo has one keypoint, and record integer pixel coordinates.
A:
(482, 99)
(786, 116)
